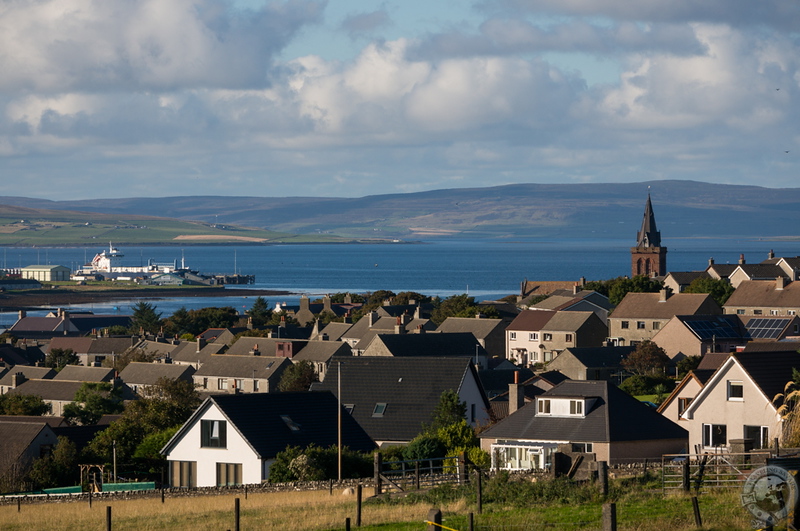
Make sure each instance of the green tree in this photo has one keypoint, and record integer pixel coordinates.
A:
(205, 318)
(457, 437)
(92, 401)
(179, 323)
(298, 377)
(616, 289)
(59, 469)
(689, 363)
(449, 410)
(58, 358)
(145, 318)
(719, 288)
(646, 358)
(405, 297)
(169, 403)
(29, 405)
(260, 312)
(120, 361)
(460, 306)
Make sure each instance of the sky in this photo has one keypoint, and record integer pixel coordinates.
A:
(345, 98)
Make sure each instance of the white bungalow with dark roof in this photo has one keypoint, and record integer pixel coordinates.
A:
(234, 439)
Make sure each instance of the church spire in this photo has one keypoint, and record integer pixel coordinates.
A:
(648, 236)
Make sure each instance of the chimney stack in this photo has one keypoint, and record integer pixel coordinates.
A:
(663, 295)
(741, 259)
(771, 254)
(200, 343)
(516, 395)
(711, 261)
(780, 283)
(17, 379)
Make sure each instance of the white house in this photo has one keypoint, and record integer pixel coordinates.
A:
(233, 439)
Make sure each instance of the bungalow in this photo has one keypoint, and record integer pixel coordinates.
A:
(593, 417)
(765, 297)
(241, 374)
(234, 439)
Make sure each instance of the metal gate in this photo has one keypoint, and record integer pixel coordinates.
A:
(701, 472)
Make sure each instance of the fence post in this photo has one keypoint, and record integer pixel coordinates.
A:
(236, 514)
(471, 522)
(462, 468)
(378, 481)
(90, 497)
(162, 494)
(358, 505)
(698, 521)
(610, 517)
(479, 490)
(108, 518)
(347, 524)
(602, 476)
(435, 516)
(685, 479)
(777, 448)
(416, 472)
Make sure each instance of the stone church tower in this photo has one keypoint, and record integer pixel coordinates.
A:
(648, 257)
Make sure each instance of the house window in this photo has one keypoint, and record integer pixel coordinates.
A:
(774, 312)
(534, 356)
(576, 407)
(585, 448)
(512, 335)
(472, 412)
(791, 312)
(568, 338)
(238, 383)
(548, 337)
(735, 391)
(380, 409)
(222, 383)
(229, 474)
(205, 383)
(349, 408)
(255, 386)
(544, 407)
(759, 435)
(740, 311)
(656, 325)
(183, 474)
(533, 336)
(212, 434)
(640, 325)
(683, 403)
(625, 325)
(715, 435)
(756, 312)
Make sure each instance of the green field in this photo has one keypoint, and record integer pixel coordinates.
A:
(64, 228)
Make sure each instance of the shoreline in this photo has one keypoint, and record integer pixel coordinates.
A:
(16, 301)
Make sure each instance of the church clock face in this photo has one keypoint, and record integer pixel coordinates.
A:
(770, 494)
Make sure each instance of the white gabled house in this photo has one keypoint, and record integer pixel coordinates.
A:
(738, 402)
(233, 439)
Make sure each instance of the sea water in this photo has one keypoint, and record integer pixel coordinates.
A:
(486, 269)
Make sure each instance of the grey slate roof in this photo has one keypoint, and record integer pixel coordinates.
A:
(480, 328)
(615, 416)
(772, 346)
(610, 356)
(187, 352)
(78, 373)
(434, 344)
(31, 373)
(335, 330)
(257, 417)
(763, 293)
(261, 367)
(322, 351)
(769, 370)
(648, 306)
(409, 386)
(63, 391)
(149, 373)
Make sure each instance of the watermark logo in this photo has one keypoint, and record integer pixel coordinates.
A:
(770, 494)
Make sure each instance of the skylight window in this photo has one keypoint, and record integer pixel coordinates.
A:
(292, 425)
(380, 409)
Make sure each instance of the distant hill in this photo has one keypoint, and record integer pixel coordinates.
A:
(683, 209)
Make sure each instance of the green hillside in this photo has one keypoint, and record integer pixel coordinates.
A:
(38, 227)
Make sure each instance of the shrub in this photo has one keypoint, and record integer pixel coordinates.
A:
(646, 385)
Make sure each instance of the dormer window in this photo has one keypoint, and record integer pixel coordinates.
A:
(576, 407)
(544, 407)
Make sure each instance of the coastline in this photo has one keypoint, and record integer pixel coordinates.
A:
(16, 301)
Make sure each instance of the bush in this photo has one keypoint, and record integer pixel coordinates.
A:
(316, 464)
(647, 385)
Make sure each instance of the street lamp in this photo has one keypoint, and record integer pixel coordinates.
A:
(339, 401)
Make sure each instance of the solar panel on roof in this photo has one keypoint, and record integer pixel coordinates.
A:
(708, 329)
(766, 327)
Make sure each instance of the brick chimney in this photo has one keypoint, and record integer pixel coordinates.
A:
(741, 259)
(711, 261)
(575, 289)
(255, 351)
(780, 283)
(348, 299)
(326, 303)
(516, 394)
(420, 329)
(663, 295)
(371, 319)
(303, 302)
(200, 343)
(398, 326)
